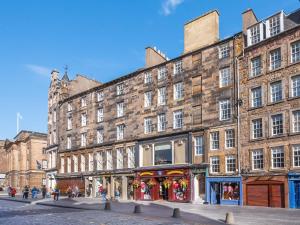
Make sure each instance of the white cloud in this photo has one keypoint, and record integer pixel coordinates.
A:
(168, 6)
(40, 70)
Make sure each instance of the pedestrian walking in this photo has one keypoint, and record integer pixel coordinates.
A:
(56, 194)
(69, 192)
(44, 191)
(26, 192)
(13, 192)
(9, 191)
(34, 192)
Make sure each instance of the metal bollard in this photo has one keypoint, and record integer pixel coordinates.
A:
(137, 209)
(107, 206)
(176, 213)
(229, 218)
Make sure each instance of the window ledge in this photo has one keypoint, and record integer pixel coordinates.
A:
(294, 133)
(257, 139)
(278, 136)
(292, 98)
(253, 77)
(275, 70)
(254, 108)
(274, 103)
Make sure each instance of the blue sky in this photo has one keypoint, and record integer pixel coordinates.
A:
(101, 39)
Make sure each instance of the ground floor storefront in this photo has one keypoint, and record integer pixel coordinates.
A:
(268, 191)
(110, 186)
(169, 185)
(294, 189)
(224, 190)
(74, 182)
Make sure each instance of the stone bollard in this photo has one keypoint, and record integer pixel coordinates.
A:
(137, 209)
(176, 213)
(229, 218)
(107, 206)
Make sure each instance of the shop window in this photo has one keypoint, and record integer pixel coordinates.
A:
(231, 191)
(163, 154)
(145, 189)
(179, 186)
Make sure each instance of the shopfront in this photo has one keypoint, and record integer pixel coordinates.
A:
(169, 185)
(294, 190)
(224, 190)
(63, 183)
(268, 191)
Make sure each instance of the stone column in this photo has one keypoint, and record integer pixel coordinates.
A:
(124, 188)
(112, 187)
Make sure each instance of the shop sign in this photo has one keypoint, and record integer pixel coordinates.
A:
(175, 172)
(146, 174)
(198, 170)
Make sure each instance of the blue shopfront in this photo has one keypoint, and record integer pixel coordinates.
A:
(224, 190)
(294, 190)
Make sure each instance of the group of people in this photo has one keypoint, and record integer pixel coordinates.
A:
(73, 192)
(34, 192)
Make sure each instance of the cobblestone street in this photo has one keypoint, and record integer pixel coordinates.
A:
(15, 213)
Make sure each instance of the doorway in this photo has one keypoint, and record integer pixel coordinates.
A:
(215, 193)
(163, 191)
(297, 194)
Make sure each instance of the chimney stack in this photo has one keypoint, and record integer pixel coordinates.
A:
(202, 31)
(154, 57)
(249, 19)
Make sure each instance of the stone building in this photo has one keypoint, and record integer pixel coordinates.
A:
(26, 159)
(152, 134)
(270, 112)
(3, 164)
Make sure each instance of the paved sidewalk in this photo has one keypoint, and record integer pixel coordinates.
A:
(206, 214)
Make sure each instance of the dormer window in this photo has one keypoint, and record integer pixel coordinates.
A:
(274, 25)
(255, 34)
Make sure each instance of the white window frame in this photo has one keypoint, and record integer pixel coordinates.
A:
(214, 140)
(120, 131)
(276, 91)
(178, 119)
(83, 102)
(162, 73)
(161, 96)
(178, 91)
(83, 119)
(225, 109)
(120, 158)
(75, 163)
(256, 97)
(69, 164)
(229, 138)
(296, 162)
(69, 142)
(69, 107)
(83, 139)
(109, 160)
(100, 96)
(82, 163)
(131, 156)
(120, 89)
(275, 59)
(99, 160)
(224, 77)
(62, 164)
(91, 162)
(100, 115)
(147, 99)
(120, 109)
(198, 145)
(224, 51)
(161, 122)
(257, 159)
(69, 123)
(295, 83)
(215, 163)
(147, 77)
(256, 66)
(148, 125)
(296, 121)
(256, 130)
(276, 125)
(178, 67)
(230, 162)
(295, 52)
(277, 150)
(100, 136)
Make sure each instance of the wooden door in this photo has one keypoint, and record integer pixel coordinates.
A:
(276, 195)
(257, 195)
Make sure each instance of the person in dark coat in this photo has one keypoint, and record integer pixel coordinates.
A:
(44, 191)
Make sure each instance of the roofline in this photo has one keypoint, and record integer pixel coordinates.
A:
(205, 14)
(31, 133)
(132, 74)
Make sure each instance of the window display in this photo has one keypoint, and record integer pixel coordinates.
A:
(163, 154)
(179, 189)
(231, 191)
(145, 190)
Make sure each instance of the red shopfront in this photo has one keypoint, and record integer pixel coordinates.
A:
(169, 185)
